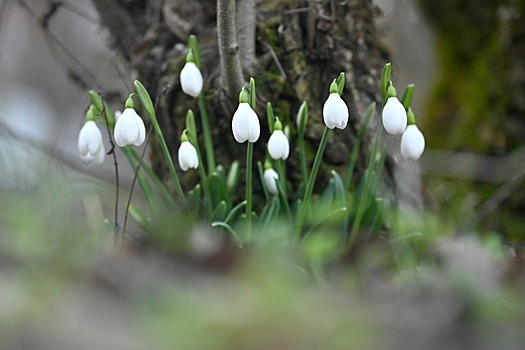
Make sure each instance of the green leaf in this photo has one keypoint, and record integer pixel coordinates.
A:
(220, 211)
(252, 96)
(194, 200)
(228, 229)
(193, 44)
(339, 188)
(97, 101)
(191, 127)
(302, 118)
(144, 98)
(272, 212)
(235, 212)
(233, 177)
(406, 100)
(340, 81)
(270, 116)
(337, 215)
(218, 190)
(385, 79)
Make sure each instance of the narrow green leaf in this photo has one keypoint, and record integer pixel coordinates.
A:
(260, 168)
(228, 229)
(335, 216)
(340, 81)
(406, 100)
(220, 211)
(273, 212)
(194, 200)
(235, 212)
(191, 127)
(193, 44)
(270, 116)
(233, 177)
(252, 96)
(385, 79)
(97, 101)
(144, 98)
(218, 190)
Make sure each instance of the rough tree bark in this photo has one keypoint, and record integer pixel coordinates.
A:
(300, 47)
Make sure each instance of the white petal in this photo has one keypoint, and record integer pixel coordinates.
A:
(100, 156)
(129, 129)
(394, 116)
(245, 124)
(188, 156)
(412, 143)
(271, 178)
(90, 142)
(191, 79)
(278, 145)
(335, 112)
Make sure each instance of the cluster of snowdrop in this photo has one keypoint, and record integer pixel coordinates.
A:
(395, 119)
(129, 130)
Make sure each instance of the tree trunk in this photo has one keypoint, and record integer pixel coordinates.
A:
(301, 46)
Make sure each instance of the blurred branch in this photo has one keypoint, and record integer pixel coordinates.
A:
(231, 72)
(122, 25)
(472, 166)
(246, 23)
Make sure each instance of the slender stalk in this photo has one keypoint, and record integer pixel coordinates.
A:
(115, 164)
(281, 171)
(249, 176)
(208, 142)
(361, 206)
(302, 156)
(311, 181)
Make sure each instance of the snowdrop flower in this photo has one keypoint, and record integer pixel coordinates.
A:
(129, 128)
(245, 123)
(271, 178)
(335, 110)
(394, 114)
(278, 145)
(187, 154)
(412, 143)
(190, 77)
(90, 144)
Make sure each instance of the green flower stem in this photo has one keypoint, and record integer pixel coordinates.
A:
(249, 176)
(363, 200)
(302, 156)
(311, 181)
(281, 171)
(205, 184)
(208, 142)
(169, 160)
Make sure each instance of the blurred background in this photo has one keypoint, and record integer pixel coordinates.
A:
(60, 289)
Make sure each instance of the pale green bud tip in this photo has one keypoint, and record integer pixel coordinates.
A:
(90, 114)
(391, 91)
(278, 125)
(129, 103)
(411, 118)
(243, 96)
(190, 114)
(334, 89)
(267, 164)
(190, 57)
(184, 136)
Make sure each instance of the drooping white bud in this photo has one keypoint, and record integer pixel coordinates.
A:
(335, 112)
(188, 156)
(245, 124)
(412, 143)
(270, 178)
(129, 129)
(394, 116)
(90, 144)
(191, 79)
(278, 145)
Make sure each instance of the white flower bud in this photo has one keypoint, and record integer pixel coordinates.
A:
(412, 143)
(394, 116)
(271, 178)
(129, 129)
(188, 156)
(90, 144)
(335, 112)
(191, 79)
(245, 124)
(278, 145)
